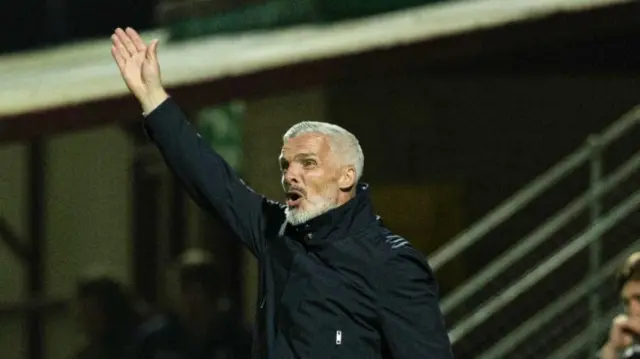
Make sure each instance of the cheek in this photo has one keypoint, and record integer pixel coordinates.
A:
(322, 186)
(316, 180)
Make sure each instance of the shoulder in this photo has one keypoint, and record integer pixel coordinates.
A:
(400, 262)
(394, 250)
(392, 246)
(402, 257)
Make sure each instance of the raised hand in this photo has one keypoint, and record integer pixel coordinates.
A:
(623, 330)
(138, 64)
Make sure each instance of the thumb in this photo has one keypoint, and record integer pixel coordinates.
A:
(152, 50)
(627, 340)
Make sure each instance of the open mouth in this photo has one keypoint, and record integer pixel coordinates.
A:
(294, 198)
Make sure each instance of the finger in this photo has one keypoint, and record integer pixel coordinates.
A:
(122, 50)
(620, 318)
(152, 51)
(136, 39)
(632, 325)
(126, 41)
(118, 58)
(627, 340)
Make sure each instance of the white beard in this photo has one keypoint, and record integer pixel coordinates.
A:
(297, 216)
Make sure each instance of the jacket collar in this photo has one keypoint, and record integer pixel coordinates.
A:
(337, 223)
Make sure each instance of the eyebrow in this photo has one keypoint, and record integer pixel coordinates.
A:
(299, 156)
(305, 155)
(632, 295)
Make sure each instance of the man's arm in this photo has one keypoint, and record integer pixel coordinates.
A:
(412, 323)
(208, 178)
(608, 352)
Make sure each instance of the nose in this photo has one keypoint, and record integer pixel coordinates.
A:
(291, 176)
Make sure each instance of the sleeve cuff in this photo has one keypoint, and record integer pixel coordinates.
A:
(156, 117)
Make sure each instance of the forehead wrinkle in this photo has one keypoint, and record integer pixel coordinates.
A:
(327, 146)
(315, 144)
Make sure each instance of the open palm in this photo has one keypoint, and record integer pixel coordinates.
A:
(138, 63)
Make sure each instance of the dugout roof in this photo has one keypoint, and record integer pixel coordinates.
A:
(75, 86)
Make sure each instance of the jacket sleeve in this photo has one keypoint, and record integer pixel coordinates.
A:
(209, 179)
(412, 324)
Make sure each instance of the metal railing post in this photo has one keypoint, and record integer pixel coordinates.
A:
(595, 248)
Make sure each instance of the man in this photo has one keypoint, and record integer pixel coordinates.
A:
(106, 316)
(198, 329)
(334, 283)
(625, 329)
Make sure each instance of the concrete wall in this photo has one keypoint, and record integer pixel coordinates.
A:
(13, 184)
(87, 224)
(88, 216)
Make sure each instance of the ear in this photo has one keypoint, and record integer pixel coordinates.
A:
(347, 179)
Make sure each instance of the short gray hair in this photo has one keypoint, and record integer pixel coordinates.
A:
(342, 142)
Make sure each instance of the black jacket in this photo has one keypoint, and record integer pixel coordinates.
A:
(339, 286)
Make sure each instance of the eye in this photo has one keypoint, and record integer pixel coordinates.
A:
(308, 163)
(283, 166)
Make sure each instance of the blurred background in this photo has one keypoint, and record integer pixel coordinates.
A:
(501, 138)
